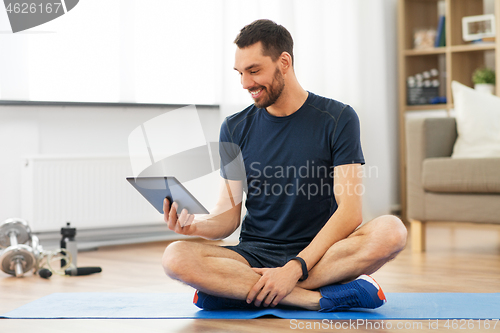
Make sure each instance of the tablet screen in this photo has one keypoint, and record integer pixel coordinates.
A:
(156, 189)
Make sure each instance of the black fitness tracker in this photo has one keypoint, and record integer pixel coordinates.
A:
(305, 273)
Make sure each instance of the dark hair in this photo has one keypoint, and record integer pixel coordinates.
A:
(275, 38)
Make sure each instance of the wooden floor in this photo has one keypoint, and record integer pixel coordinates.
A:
(460, 258)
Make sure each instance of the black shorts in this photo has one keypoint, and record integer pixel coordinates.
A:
(267, 255)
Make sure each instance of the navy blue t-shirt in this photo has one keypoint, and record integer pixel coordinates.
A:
(288, 166)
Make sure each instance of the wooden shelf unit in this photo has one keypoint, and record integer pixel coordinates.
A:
(458, 59)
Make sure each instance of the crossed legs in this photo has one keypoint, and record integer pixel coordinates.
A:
(222, 272)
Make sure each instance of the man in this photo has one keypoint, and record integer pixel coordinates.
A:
(300, 244)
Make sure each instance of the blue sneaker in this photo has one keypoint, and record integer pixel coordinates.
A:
(208, 302)
(363, 292)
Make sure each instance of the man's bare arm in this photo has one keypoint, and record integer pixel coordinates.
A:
(347, 217)
(221, 222)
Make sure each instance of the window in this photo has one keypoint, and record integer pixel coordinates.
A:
(147, 51)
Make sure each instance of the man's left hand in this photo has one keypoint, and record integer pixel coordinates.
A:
(274, 284)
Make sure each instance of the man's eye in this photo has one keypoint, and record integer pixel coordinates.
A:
(254, 72)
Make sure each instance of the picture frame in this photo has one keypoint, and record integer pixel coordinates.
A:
(424, 38)
(478, 27)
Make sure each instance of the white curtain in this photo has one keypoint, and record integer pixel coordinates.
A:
(345, 50)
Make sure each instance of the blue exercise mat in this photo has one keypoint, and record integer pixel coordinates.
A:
(399, 306)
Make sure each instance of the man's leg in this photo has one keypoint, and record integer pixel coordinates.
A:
(222, 272)
(363, 252)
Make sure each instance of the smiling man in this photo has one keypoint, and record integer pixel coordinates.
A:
(301, 243)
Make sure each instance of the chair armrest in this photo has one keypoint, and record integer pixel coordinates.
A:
(440, 135)
(425, 137)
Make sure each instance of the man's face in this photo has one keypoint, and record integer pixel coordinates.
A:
(259, 75)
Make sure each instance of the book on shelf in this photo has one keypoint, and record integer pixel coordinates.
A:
(441, 33)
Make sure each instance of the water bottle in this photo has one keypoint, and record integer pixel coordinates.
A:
(68, 243)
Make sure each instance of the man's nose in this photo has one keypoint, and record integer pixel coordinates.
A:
(247, 81)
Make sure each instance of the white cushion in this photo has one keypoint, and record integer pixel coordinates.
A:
(478, 123)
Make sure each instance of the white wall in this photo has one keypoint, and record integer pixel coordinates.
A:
(71, 130)
(377, 107)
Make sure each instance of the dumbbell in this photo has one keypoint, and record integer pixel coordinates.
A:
(17, 258)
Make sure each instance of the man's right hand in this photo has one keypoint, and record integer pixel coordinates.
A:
(182, 223)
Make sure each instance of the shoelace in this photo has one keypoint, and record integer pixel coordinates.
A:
(346, 299)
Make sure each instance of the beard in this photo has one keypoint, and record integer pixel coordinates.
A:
(274, 91)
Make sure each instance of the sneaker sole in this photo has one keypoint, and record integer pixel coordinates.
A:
(370, 280)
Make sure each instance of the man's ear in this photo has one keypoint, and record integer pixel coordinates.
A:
(285, 62)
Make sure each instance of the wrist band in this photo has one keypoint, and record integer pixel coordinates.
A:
(305, 273)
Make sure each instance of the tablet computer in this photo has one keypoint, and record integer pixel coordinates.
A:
(156, 189)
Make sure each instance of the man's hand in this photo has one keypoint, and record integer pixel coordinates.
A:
(274, 284)
(181, 224)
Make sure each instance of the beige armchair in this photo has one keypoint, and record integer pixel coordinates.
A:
(441, 188)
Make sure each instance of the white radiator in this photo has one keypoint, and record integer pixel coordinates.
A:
(88, 191)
